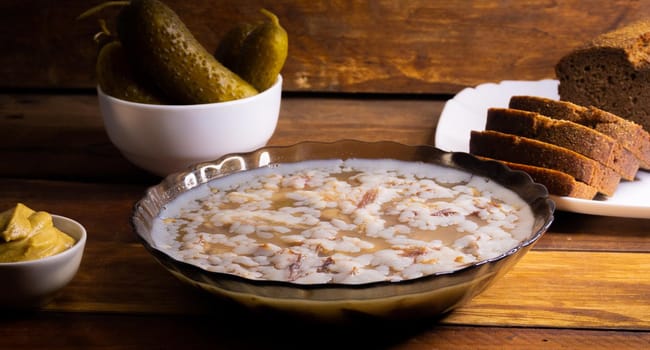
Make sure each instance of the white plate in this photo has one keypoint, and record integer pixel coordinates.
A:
(467, 111)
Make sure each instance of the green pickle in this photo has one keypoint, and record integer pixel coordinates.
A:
(163, 47)
(155, 58)
(259, 56)
(229, 50)
(116, 78)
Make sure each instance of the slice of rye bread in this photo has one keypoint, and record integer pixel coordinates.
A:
(579, 138)
(518, 149)
(557, 183)
(611, 72)
(631, 135)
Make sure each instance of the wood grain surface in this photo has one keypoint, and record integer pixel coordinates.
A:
(398, 46)
(584, 285)
(366, 70)
(117, 331)
(56, 146)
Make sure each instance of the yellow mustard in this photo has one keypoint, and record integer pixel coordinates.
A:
(26, 234)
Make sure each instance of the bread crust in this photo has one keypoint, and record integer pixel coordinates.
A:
(523, 150)
(556, 182)
(567, 134)
(611, 72)
(629, 134)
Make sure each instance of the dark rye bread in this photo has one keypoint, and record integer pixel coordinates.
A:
(629, 134)
(517, 149)
(556, 182)
(611, 72)
(579, 138)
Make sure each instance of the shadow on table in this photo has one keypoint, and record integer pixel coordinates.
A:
(256, 328)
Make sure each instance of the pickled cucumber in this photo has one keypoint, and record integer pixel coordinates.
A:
(229, 50)
(163, 47)
(116, 77)
(258, 57)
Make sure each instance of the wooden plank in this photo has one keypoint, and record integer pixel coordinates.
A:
(336, 46)
(564, 289)
(411, 121)
(494, 338)
(596, 233)
(399, 118)
(124, 278)
(48, 135)
(103, 209)
(114, 331)
(567, 289)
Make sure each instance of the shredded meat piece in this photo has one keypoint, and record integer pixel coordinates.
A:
(325, 267)
(445, 212)
(368, 197)
(413, 251)
(294, 268)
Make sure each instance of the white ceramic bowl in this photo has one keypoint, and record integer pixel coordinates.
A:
(164, 139)
(34, 283)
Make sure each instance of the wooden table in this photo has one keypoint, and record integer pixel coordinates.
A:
(362, 69)
(586, 284)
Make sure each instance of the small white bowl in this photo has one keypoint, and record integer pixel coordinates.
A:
(164, 139)
(34, 283)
